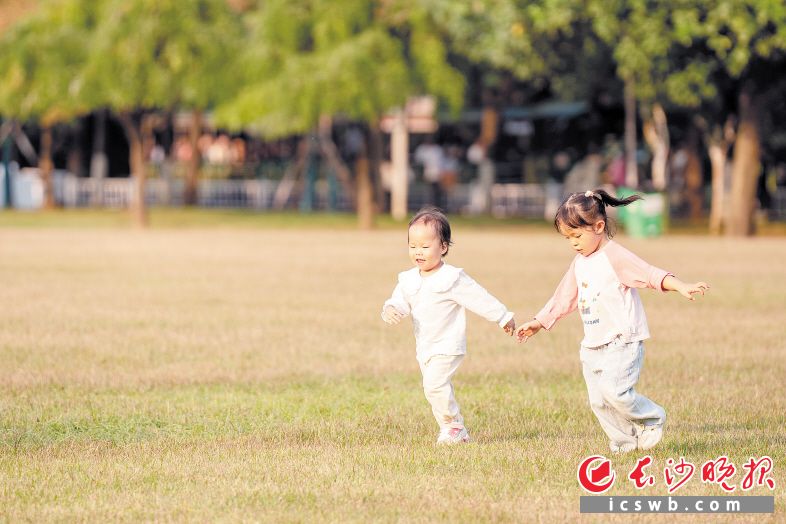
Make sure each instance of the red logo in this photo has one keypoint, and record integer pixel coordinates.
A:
(717, 471)
(592, 478)
(683, 468)
(638, 476)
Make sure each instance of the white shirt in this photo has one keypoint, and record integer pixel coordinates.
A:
(602, 287)
(431, 157)
(437, 304)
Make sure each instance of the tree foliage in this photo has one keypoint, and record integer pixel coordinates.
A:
(311, 58)
(547, 43)
(38, 59)
(149, 54)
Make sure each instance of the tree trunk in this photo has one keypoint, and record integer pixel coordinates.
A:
(136, 159)
(5, 143)
(365, 194)
(330, 152)
(365, 190)
(746, 167)
(631, 168)
(98, 161)
(656, 133)
(74, 158)
(718, 143)
(375, 156)
(694, 178)
(192, 173)
(399, 159)
(288, 182)
(489, 127)
(718, 156)
(46, 167)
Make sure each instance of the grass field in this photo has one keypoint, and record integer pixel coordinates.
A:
(242, 373)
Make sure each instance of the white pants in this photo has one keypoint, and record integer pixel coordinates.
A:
(437, 374)
(611, 372)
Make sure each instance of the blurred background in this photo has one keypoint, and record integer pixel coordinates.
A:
(483, 107)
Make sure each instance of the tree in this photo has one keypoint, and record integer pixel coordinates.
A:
(678, 53)
(312, 60)
(548, 44)
(152, 55)
(702, 52)
(37, 58)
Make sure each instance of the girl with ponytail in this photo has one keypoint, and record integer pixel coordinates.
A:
(602, 284)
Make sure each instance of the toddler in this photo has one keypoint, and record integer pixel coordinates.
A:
(601, 283)
(436, 295)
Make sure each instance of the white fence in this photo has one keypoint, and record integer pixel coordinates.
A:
(507, 200)
(72, 191)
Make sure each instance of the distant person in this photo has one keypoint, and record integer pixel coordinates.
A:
(449, 176)
(601, 283)
(386, 175)
(437, 294)
(432, 157)
(585, 173)
(183, 149)
(615, 172)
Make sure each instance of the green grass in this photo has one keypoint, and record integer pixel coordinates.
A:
(198, 218)
(238, 371)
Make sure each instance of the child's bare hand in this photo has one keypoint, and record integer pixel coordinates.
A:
(688, 290)
(527, 330)
(392, 315)
(510, 327)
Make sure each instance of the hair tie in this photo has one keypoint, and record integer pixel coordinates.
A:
(589, 193)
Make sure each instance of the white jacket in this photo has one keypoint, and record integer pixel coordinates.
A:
(437, 304)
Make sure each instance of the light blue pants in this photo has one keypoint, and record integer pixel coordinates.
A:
(611, 372)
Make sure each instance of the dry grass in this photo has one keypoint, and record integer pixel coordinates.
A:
(244, 374)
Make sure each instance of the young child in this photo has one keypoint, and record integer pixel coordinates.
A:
(436, 294)
(601, 283)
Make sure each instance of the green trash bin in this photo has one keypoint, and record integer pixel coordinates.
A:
(643, 218)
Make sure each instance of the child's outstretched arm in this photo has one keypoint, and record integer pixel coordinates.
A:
(635, 272)
(563, 302)
(687, 290)
(474, 297)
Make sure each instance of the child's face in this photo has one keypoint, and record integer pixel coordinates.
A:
(425, 249)
(586, 240)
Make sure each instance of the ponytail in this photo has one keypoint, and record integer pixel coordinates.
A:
(609, 200)
(581, 210)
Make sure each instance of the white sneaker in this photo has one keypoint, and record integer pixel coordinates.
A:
(650, 436)
(453, 436)
(625, 447)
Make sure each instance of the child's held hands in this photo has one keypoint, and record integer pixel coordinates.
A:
(510, 327)
(527, 330)
(392, 315)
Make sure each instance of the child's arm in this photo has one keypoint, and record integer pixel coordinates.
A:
(672, 283)
(563, 302)
(396, 307)
(474, 297)
(635, 272)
